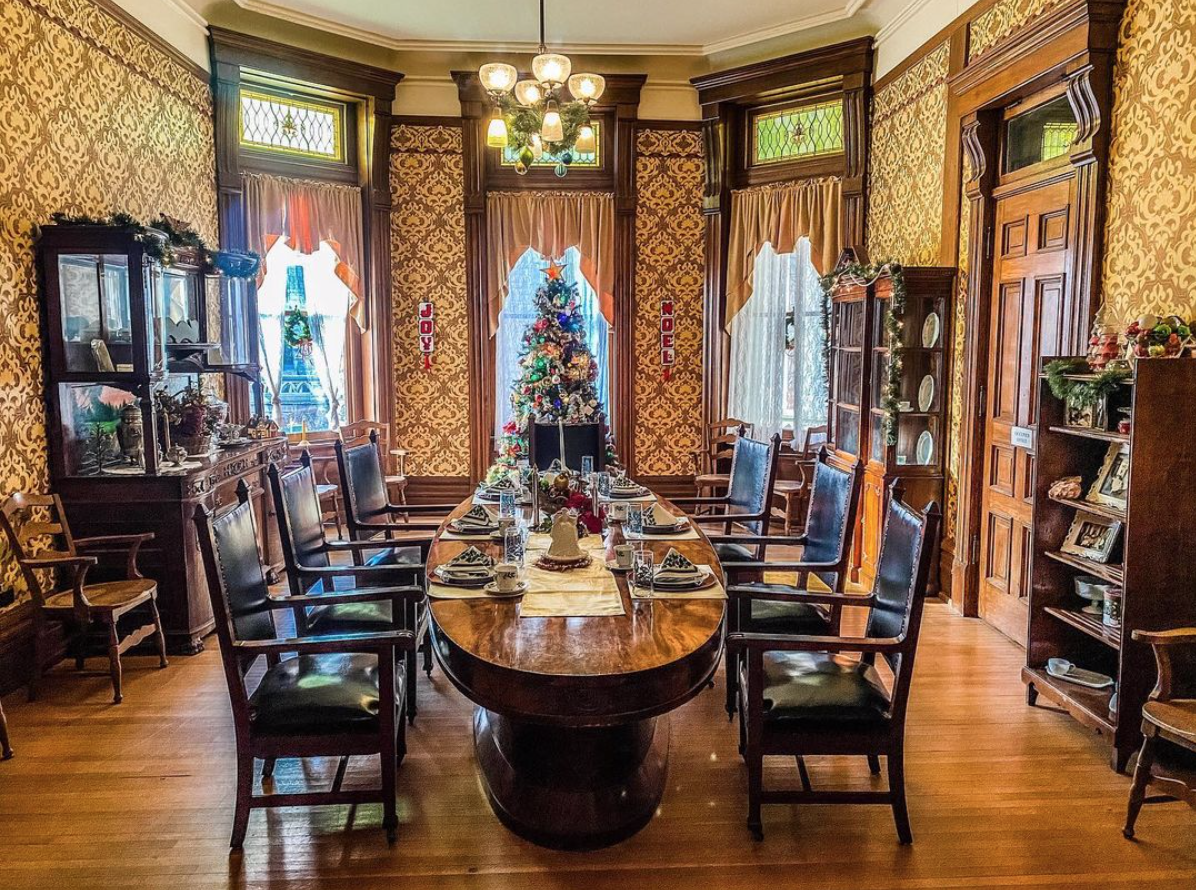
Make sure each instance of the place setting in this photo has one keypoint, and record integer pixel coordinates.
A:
(623, 488)
(657, 522)
(676, 577)
(472, 574)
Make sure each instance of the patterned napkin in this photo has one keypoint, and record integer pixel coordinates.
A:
(675, 570)
(493, 491)
(477, 521)
(658, 517)
(622, 487)
(471, 564)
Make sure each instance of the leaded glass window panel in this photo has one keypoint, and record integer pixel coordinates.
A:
(795, 134)
(292, 126)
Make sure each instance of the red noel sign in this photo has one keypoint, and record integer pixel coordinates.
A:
(427, 332)
(668, 353)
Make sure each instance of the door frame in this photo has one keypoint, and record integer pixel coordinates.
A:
(1074, 45)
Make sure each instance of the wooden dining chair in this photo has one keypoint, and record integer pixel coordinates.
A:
(800, 696)
(825, 555)
(81, 607)
(712, 463)
(307, 554)
(748, 501)
(794, 494)
(338, 696)
(318, 447)
(359, 432)
(1167, 760)
(581, 440)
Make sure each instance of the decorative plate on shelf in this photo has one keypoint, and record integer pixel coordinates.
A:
(924, 451)
(930, 330)
(926, 393)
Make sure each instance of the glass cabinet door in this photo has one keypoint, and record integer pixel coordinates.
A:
(180, 304)
(103, 430)
(229, 309)
(97, 327)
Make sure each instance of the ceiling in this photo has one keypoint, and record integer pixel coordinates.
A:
(660, 27)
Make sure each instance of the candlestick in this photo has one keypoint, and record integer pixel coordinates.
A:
(560, 424)
(303, 443)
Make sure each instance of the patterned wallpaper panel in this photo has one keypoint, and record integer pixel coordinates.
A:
(427, 184)
(95, 119)
(951, 496)
(670, 265)
(1150, 235)
(998, 22)
(905, 180)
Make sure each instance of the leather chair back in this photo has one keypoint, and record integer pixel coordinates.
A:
(236, 583)
(753, 475)
(300, 524)
(581, 440)
(363, 483)
(902, 574)
(834, 500)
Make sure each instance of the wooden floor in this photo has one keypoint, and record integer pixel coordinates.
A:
(140, 796)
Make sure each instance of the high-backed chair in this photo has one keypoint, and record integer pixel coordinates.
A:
(1168, 757)
(826, 555)
(80, 606)
(581, 440)
(308, 554)
(712, 463)
(794, 494)
(748, 501)
(799, 695)
(339, 697)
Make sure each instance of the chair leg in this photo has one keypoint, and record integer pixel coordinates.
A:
(755, 766)
(268, 768)
(1141, 780)
(244, 798)
(5, 747)
(874, 764)
(896, 763)
(426, 646)
(80, 646)
(114, 661)
(389, 763)
(731, 670)
(39, 659)
(804, 774)
(409, 666)
(159, 633)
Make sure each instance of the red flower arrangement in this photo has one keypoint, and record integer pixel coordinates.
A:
(585, 511)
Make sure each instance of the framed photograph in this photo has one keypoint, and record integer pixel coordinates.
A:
(1111, 487)
(1092, 537)
(1093, 417)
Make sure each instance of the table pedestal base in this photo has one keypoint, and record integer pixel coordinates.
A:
(572, 788)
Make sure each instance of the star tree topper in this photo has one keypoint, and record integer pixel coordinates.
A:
(554, 270)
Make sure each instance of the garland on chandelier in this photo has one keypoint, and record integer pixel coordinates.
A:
(866, 275)
(164, 237)
(523, 123)
(1082, 393)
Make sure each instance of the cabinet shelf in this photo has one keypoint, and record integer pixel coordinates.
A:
(1089, 706)
(1088, 624)
(1111, 573)
(1084, 433)
(1088, 507)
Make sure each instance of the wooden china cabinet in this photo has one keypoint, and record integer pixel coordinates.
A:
(120, 327)
(913, 448)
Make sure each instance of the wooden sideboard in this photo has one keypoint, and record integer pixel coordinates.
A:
(165, 504)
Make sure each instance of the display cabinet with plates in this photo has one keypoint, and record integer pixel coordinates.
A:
(1113, 531)
(895, 420)
(126, 333)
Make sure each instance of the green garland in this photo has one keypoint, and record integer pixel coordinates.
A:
(178, 235)
(858, 273)
(296, 328)
(524, 123)
(1082, 393)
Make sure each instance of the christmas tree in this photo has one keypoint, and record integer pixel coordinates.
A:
(557, 371)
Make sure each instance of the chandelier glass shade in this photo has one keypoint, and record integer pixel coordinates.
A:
(534, 115)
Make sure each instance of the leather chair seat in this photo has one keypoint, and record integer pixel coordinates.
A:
(394, 555)
(350, 618)
(805, 689)
(319, 695)
(733, 553)
(778, 617)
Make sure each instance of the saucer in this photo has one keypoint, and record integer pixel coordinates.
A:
(615, 567)
(492, 589)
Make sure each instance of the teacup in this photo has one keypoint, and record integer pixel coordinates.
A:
(617, 512)
(624, 555)
(505, 523)
(506, 577)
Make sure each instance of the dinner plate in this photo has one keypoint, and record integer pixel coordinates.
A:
(924, 451)
(926, 393)
(472, 530)
(461, 582)
(707, 580)
(665, 529)
(930, 330)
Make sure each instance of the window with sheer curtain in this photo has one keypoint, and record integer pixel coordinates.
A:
(777, 375)
(518, 313)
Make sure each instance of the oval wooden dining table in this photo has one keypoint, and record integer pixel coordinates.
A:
(571, 730)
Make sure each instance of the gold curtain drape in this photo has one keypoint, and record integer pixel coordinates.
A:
(551, 223)
(306, 212)
(780, 215)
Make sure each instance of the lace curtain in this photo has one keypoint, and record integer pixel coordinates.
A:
(519, 311)
(778, 377)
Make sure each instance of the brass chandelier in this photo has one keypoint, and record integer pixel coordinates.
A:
(531, 115)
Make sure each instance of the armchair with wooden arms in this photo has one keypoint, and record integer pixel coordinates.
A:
(340, 696)
(748, 501)
(310, 571)
(826, 555)
(712, 462)
(800, 696)
(794, 494)
(81, 606)
(1167, 760)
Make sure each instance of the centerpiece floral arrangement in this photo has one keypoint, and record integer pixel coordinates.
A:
(194, 417)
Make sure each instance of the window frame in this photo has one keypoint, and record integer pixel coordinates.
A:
(340, 112)
(790, 107)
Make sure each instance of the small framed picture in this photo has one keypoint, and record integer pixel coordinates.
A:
(1092, 537)
(1093, 417)
(1112, 484)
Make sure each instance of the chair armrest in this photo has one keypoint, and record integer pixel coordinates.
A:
(774, 643)
(770, 540)
(731, 517)
(769, 566)
(362, 572)
(802, 596)
(699, 501)
(381, 643)
(407, 593)
(115, 543)
(424, 508)
(1179, 636)
(399, 526)
(63, 561)
(380, 544)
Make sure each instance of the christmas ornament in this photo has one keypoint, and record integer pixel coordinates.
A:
(426, 320)
(668, 351)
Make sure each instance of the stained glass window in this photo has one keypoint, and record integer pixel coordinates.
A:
(795, 134)
(1040, 134)
(591, 159)
(1057, 139)
(293, 126)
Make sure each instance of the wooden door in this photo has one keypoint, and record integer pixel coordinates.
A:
(1029, 319)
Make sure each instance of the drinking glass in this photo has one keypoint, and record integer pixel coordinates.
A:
(642, 571)
(506, 504)
(587, 465)
(514, 545)
(635, 518)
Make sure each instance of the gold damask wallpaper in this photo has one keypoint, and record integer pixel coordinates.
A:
(427, 236)
(1150, 235)
(95, 119)
(905, 179)
(670, 265)
(998, 22)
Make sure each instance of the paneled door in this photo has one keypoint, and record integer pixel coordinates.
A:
(1030, 304)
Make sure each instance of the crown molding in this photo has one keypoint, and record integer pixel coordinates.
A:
(893, 25)
(805, 23)
(183, 8)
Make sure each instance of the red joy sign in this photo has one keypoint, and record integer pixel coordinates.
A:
(427, 332)
(668, 352)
